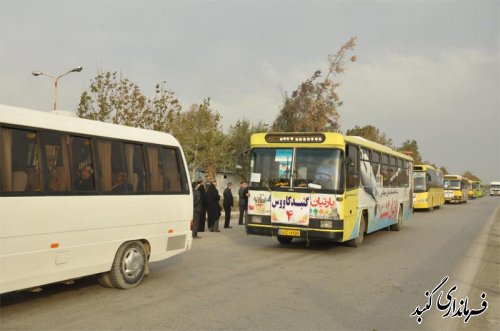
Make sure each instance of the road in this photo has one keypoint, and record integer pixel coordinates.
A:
(231, 281)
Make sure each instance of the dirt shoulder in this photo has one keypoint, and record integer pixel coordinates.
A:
(487, 280)
(478, 272)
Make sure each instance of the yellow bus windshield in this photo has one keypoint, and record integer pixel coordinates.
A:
(419, 181)
(452, 184)
(299, 167)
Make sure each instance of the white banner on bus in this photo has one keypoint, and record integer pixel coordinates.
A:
(290, 208)
(259, 203)
(324, 206)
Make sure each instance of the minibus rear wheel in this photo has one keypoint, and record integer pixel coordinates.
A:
(129, 265)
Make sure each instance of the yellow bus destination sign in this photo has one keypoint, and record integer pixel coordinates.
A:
(295, 138)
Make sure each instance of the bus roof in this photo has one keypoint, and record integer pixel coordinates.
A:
(328, 139)
(376, 146)
(454, 177)
(424, 167)
(70, 123)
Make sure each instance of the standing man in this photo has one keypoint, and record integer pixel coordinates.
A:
(243, 196)
(213, 207)
(196, 210)
(228, 204)
(203, 198)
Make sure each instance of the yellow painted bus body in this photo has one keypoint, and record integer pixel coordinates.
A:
(455, 189)
(282, 202)
(478, 189)
(470, 190)
(428, 187)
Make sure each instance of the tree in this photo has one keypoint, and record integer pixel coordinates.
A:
(313, 106)
(444, 170)
(162, 109)
(118, 100)
(201, 137)
(371, 133)
(411, 147)
(238, 145)
(469, 175)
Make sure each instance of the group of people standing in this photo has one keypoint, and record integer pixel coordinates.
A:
(207, 208)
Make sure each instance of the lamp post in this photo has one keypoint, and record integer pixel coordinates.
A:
(56, 79)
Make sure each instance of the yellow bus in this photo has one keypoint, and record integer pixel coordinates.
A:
(455, 189)
(470, 190)
(326, 186)
(428, 191)
(478, 189)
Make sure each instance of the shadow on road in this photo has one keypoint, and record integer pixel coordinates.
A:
(17, 297)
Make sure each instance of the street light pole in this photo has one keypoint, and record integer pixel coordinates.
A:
(56, 79)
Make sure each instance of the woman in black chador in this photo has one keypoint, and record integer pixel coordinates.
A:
(203, 216)
(213, 207)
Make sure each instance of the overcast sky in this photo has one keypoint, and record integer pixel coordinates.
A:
(426, 70)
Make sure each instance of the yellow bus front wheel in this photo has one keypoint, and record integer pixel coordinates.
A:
(356, 242)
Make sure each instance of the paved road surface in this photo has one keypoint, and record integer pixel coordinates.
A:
(231, 281)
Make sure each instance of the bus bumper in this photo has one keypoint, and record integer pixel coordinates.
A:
(303, 233)
(421, 205)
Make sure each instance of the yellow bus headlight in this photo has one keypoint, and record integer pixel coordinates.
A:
(256, 219)
(326, 224)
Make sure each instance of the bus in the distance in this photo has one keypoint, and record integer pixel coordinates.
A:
(81, 197)
(478, 189)
(470, 190)
(428, 187)
(494, 188)
(326, 186)
(455, 189)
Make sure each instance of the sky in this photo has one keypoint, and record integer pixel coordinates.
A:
(426, 70)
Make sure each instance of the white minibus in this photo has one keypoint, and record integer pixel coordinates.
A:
(81, 197)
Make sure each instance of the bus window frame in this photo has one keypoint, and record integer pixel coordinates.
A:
(43, 135)
(356, 166)
(341, 185)
(94, 159)
(93, 143)
(268, 186)
(37, 145)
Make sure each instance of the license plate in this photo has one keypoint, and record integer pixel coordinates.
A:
(288, 232)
